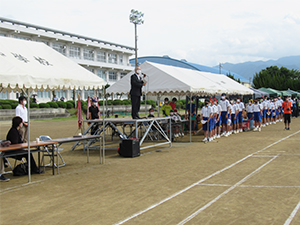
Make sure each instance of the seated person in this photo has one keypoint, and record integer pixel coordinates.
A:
(177, 131)
(2, 178)
(15, 137)
(166, 108)
(151, 113)
(173, 103)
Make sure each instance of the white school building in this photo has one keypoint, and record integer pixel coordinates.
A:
(110, 61)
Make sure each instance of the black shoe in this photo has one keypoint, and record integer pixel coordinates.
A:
(3, 179)
(288, 128)
(37, 171)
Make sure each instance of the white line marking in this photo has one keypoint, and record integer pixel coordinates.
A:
(200, 181)
(215, 185)
(224, 193)
(247, 186)
(266, 186)
(291, 217)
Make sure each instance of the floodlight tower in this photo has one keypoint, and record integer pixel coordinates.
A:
(220, 66)
(136, 18)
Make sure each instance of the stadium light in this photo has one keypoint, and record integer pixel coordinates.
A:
(136, 18)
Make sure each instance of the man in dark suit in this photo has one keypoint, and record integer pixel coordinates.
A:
(137, 81)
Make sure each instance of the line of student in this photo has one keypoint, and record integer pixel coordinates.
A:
(227, 115)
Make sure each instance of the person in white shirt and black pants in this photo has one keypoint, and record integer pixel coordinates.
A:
(21, 111)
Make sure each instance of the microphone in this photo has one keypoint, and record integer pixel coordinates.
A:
(144, 74)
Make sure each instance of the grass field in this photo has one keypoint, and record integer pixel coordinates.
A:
(247, 178)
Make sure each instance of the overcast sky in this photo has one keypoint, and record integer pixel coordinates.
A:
(204, 32)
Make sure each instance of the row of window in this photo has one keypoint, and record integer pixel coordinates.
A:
(88, 54)
(112, 75)
(74, 52)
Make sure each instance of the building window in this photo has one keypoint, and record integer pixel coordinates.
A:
(122, 75)
(60, 93)
(22, 38)
(112, 76)
(45, 42)
(88, 54)
(101, 74)
(3, 95)
(112, 58)
(121, 59)
(43, 94)
(101, 57)
(90, 69)
(74, 52)
(59, 47)
(2, 35)
(89, 92)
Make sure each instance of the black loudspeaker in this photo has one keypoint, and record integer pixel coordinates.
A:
(129, 148)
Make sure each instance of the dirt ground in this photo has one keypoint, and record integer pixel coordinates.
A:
(247, 178)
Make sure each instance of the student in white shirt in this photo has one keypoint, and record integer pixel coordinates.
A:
(218, 118)
(206, 115)
(240, 114)
(214, 117)
(234, 113)
(264, 111)
(257, 118)
(280, 108)
(267, 109)
(21, 111)
(224, 103)
(249, 110)
(273, 112)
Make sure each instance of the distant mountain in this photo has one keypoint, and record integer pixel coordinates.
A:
(248, 69)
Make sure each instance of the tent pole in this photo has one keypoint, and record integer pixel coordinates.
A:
(190, 116)
(103, 127)
(158, 100)
(28, 136)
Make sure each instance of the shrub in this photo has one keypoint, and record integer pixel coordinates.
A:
(126, 102)
(0, 106)
(62, 104)
(14, 104)
(109, 102)
(44, 105)
(117, 102)
(152, 103)
(71, 102)
(53, 105)
(69, 105)
(6, 106)
(84, 107)
(34, 105)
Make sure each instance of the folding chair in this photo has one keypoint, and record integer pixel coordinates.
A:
(47, 138)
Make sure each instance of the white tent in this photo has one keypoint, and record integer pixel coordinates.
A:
(27, 66)
(163, 79)
(36, 66)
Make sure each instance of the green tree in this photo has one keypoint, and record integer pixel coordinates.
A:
(277, 78)
(232, 77)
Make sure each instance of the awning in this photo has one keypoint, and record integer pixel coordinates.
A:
(36, 66)
(163, 79)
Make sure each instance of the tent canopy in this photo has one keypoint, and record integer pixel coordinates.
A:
(36, 66)
(259, 93)
(293, 93)
(272, 92)
(163, 79)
